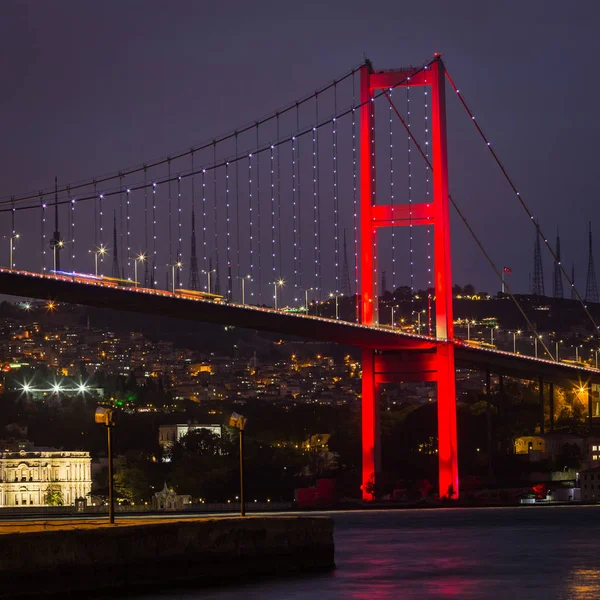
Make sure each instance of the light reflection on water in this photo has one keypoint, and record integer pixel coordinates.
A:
(497, 553)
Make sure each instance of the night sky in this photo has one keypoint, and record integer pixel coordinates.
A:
(90, 88)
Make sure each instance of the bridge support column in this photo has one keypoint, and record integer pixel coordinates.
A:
(371, 445)
(542, 415)
(447, 438)
(551, 399)
(589, 403)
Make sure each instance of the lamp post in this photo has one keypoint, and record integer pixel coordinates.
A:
(492, 333)
(557, 349)
(208, 275)
(419, 319)
(577, 353)
(174, 266)
(243, 280)
(239, 422)
(535, 343)
(276, 284)
(101, 250)
(12, 238)
(106, 416)
(515, 334)
(312, 289)
(337, 309)
(141, 257)
(56, 244)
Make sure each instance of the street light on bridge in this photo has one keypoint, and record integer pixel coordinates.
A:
(243, 280)
(56, 245)
(515, 334)
(492, 333)
(174, 266)
(101, 250)
(12, 238)
(208, 275)
(279, 283)
(141, 257)
(312, 289)
(337, 308)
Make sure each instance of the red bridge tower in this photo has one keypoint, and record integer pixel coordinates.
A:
(426, 360)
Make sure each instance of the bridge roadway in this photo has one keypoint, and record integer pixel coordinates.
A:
(63, 288)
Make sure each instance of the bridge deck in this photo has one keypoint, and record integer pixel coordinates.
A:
(62, 288)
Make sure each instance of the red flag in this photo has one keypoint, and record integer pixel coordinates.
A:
(507, 270)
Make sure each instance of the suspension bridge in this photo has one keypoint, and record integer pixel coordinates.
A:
(325, 201)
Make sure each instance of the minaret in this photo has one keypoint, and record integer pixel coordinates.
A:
(537, 284)
(55, 242)
(116, 272)
(193, 281)
(591, 288)
(345, 289)
(573, 295)
(557, 291)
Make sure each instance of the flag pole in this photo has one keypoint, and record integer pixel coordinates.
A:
(503, 273)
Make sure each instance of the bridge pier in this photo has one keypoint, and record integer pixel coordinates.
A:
(589, 403)
(542, 406)
(371, 441)
(551, 400)
(434, 363)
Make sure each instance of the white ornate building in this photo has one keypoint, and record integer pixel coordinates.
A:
(26, 476)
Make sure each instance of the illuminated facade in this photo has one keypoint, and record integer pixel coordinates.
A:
(26, 476)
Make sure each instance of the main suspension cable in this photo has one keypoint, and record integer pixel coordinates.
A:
(470, 229)
(520, 198)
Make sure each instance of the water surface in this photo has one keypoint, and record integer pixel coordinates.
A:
(488, 553)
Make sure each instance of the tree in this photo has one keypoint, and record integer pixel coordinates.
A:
(53, 496)
(131, 481)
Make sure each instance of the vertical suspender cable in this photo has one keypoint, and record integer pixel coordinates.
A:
(227, 238)
(128, 236)
(410, 222)
(121, 249)
(319, 266)
(392, 202)
(170, 219)
(279, 242)
(294, 217)
(43, 231)
(73, 236)
(427, 201)
(154, 256)
(204, 250)
(258, 210)
(271, 162)
(336, 237)
(237, 208)
(250, 220)
(178, 270)
(355, 201)
(299, 196)
(216, 221)
(315, 207)
(95, 215)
